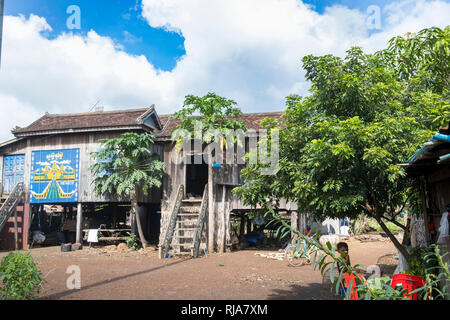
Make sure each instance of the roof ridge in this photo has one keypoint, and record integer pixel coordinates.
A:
(244, 114)
(97, 112)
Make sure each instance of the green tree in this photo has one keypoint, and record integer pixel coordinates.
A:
(215, 114)
(421, 61)
(340, 147)
(125, 166)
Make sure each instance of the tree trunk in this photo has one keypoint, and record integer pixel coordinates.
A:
(138, 219)
(394, 240)
(407, 233)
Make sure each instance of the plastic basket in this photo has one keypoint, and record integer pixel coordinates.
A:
(408, 282)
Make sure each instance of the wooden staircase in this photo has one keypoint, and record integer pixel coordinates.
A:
(9, 204)
(187, 223)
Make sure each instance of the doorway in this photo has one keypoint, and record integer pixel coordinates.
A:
(196, 177)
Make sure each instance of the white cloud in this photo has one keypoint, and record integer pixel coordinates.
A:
(245, 50)
(14, 112)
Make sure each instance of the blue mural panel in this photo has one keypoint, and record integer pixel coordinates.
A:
(54, 176)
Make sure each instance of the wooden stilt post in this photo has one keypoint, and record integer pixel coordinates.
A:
(114, 215)
(79, 236)
(26, 225)
(16, 234)
(242, 226)
(211, 215)
(222, 229)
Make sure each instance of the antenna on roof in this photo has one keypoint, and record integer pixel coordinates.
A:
(94, 107)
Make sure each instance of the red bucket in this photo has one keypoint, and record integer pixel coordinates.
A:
(408, 282)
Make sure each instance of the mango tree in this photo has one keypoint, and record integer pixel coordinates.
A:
(341, 146)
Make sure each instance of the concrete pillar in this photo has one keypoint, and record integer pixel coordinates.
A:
(79, 224)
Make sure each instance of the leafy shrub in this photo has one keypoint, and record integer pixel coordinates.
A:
(418, 265)
(132, 242)
(437, 275)
(380, 289)
(20, 277)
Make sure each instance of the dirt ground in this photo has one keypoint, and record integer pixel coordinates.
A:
(239, 275)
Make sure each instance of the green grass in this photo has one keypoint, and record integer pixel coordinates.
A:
(392, 227)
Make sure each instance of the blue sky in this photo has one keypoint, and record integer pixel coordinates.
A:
(122, 21)
(118, 19)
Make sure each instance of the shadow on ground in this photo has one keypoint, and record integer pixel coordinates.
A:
(314, 291)
(59, 295)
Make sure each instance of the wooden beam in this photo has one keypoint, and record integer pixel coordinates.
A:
(211, 215)
(424, 209)
(249, 225)
(79, 239)
(114, 209)
(26, 224)
(242, 227)
(16, 235)
(222, 229)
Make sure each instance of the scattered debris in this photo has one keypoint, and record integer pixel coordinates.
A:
(272, 255)
(122, 247)
(262, 279)
(371, 237)
(109, 248)
(76, 246)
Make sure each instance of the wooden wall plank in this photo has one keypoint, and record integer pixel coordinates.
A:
(87, 143)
